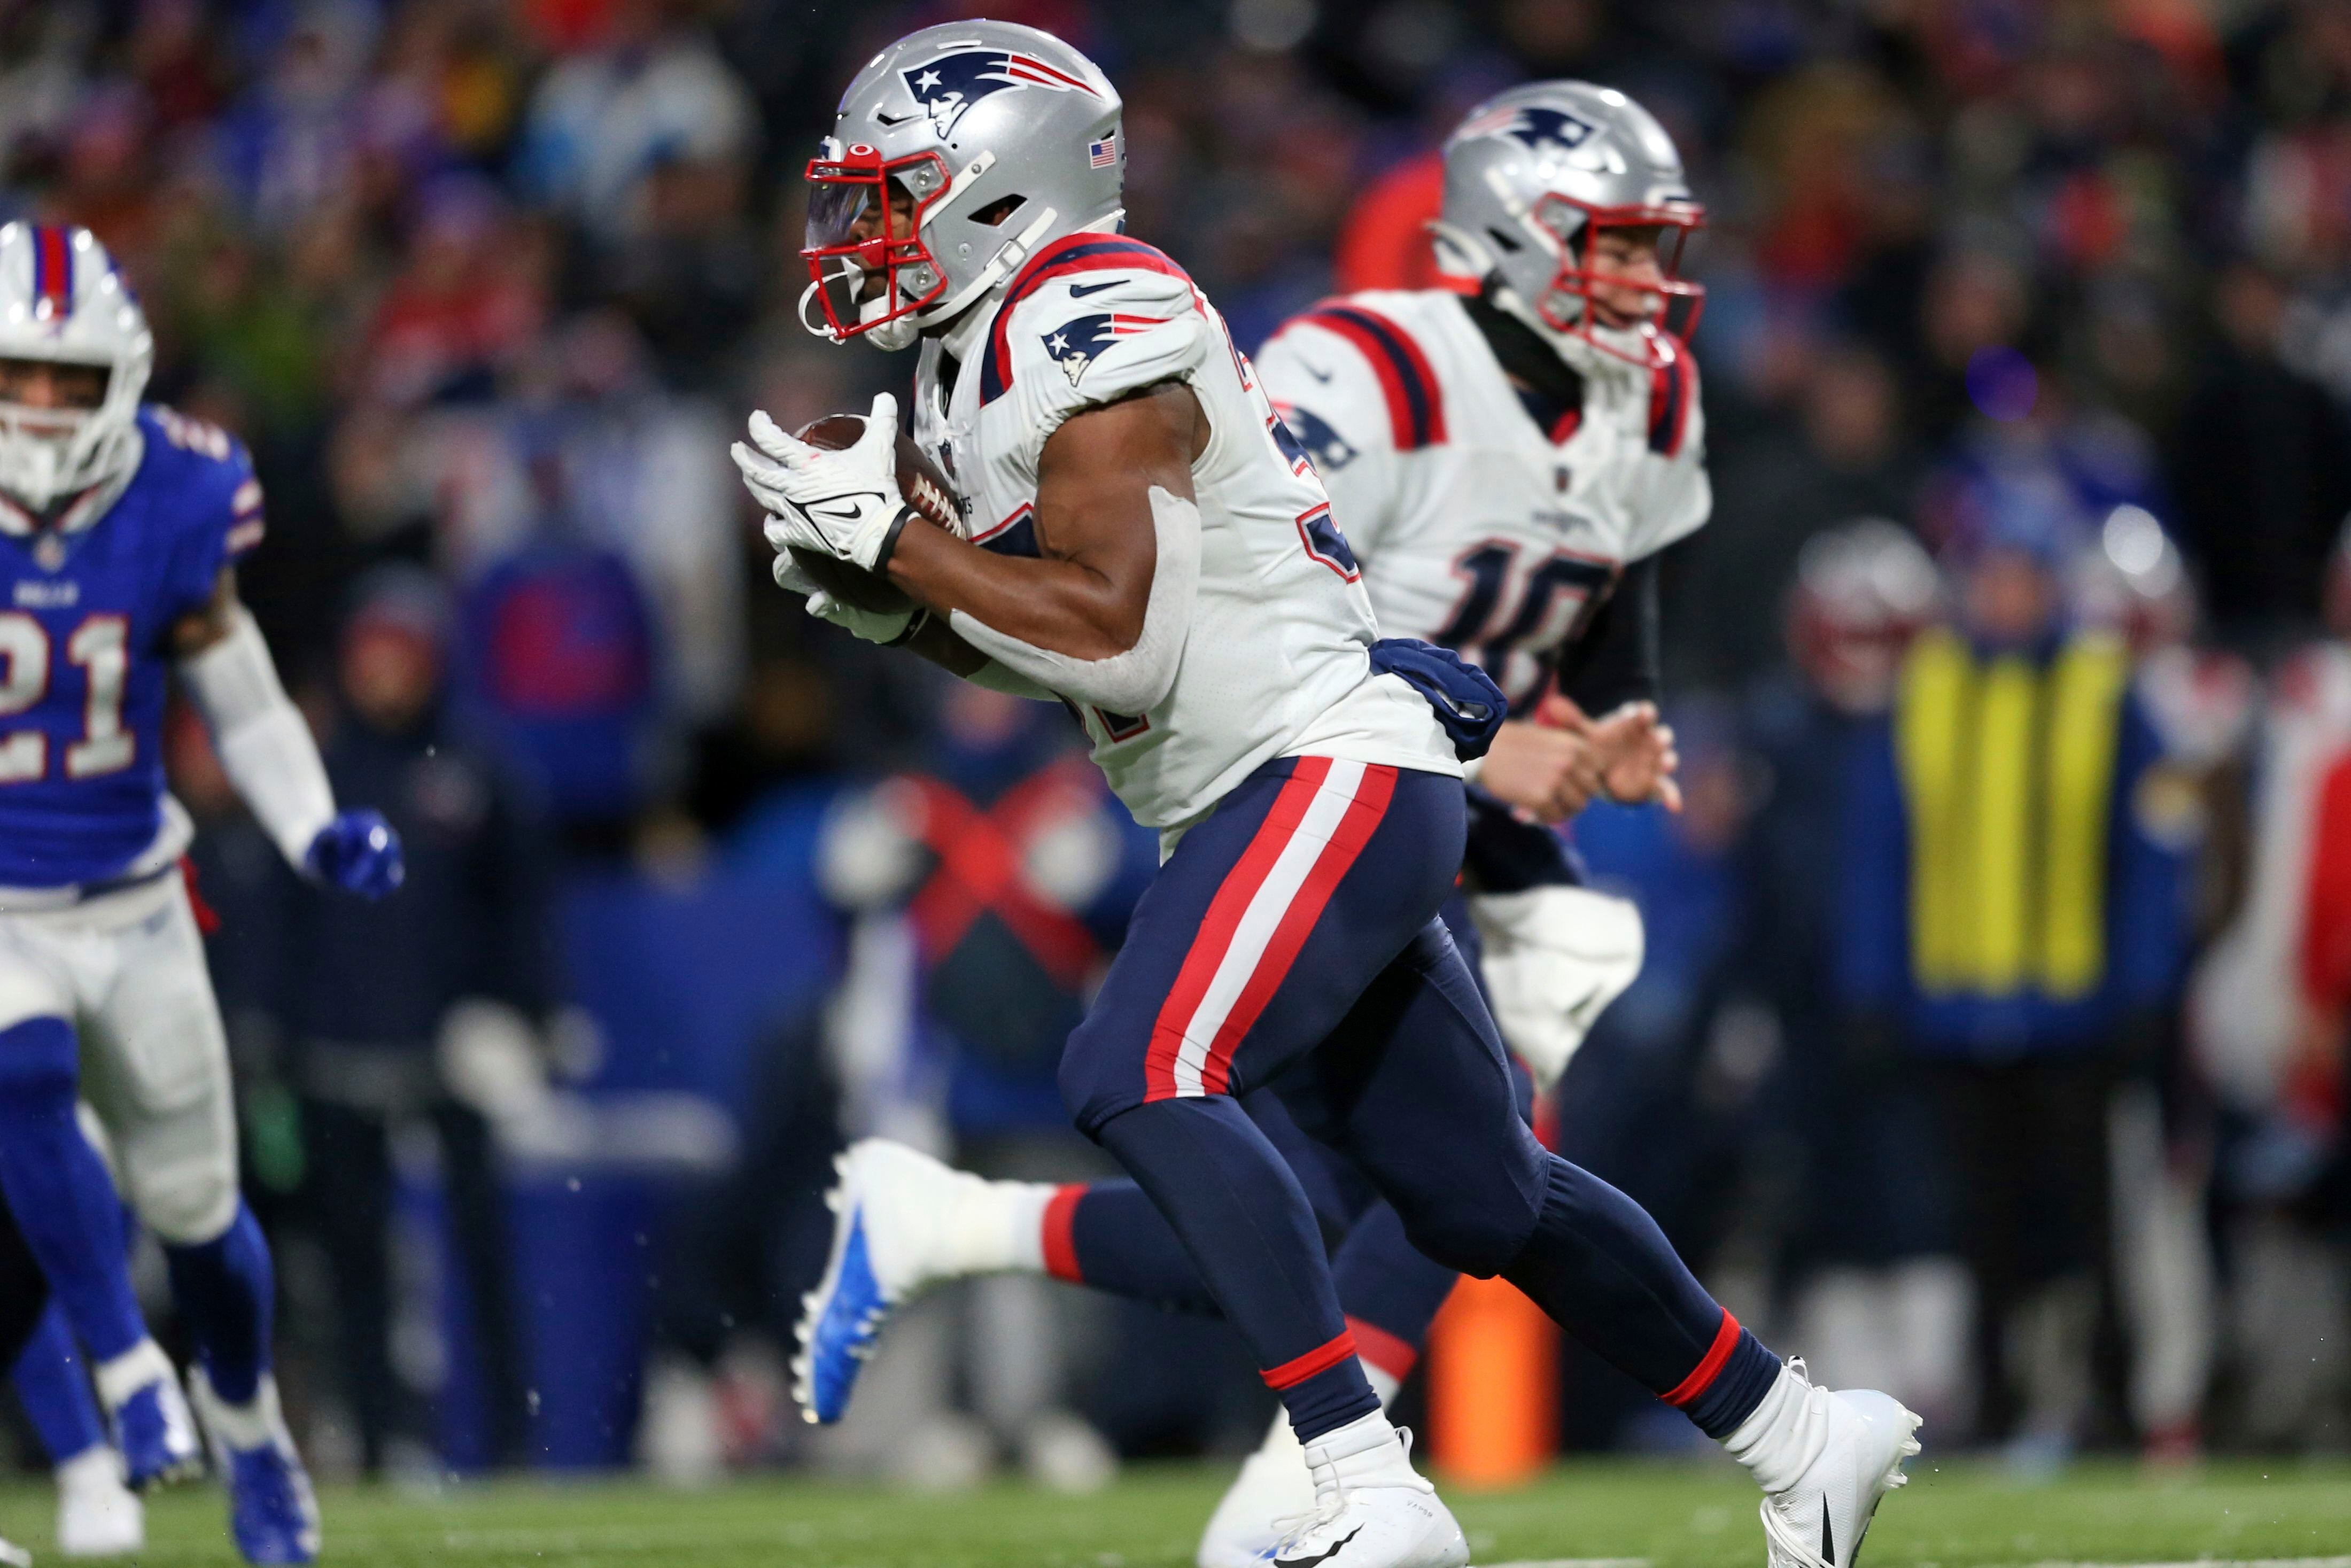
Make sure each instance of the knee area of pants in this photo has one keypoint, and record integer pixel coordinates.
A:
(1474, 1239)
(1090, 1094)
(37, 1061)
(187, 1205)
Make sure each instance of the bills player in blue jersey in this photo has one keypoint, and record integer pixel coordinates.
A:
(121, 524)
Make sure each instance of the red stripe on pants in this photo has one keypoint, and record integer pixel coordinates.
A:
(1061, 1238)
(1355, 828)
(1321, 1359)
(1383, 1350)
(1702, 1377)
(1224, 910)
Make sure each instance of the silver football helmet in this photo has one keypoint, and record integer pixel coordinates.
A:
(62, 301)
(997, 138)
(1533, 176)
(1862, 593)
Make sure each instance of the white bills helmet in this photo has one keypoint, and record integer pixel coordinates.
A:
(1532, 175)
(61, 300)
(1004, 138)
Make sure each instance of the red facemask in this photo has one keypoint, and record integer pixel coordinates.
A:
(844, 189)
(1567, 306)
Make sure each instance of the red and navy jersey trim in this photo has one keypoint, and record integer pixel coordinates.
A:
(52, 271)
(1059, 258)
(1416, 403)
(1672, 387)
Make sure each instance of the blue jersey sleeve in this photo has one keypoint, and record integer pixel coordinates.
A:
(216, 510)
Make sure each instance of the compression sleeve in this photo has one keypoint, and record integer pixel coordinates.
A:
(1617, 661)
(264, 748)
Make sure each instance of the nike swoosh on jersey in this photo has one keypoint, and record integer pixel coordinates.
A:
(1079, 290)
(1320, 1556)
(1316, 372)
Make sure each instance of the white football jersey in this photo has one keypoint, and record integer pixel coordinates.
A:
(1277, 662)
(1476, 528)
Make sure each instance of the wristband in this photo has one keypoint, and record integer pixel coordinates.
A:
(890, 539)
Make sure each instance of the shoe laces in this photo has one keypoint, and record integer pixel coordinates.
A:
(1331, 1498)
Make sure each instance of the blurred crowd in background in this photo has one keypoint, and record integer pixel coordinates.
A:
(2031, 318)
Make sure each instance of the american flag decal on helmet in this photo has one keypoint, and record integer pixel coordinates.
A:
(52, 273)
(1076, 344)
(1103, 155)
(952, 83)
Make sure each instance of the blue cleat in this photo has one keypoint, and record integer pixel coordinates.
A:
(841, 1320)
(272, 1512)
(150, 1415)
(901, 1221)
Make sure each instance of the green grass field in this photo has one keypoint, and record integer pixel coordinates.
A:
(1670, 1515)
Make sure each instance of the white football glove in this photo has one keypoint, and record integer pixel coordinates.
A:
(884, 626)
(845, 504)
(1555, 958)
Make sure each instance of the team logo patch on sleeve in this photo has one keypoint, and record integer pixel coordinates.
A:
(1076, 344)
(952, 83)
(1325, 447)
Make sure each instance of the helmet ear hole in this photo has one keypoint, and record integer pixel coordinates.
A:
(995, 213)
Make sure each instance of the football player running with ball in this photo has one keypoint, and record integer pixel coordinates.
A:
(121, 523)
(1148, 545)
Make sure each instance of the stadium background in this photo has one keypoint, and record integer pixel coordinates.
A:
(486, 284)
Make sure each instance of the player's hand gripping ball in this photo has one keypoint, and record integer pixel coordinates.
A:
(837, 494)
(359, 852)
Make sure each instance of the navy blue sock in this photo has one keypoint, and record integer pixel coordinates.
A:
(1250, 1234)
(52, 1384)
(1599, 1265)
(57, 1188)
(1389, 1291)
(1109, 1237)
(227, 1295)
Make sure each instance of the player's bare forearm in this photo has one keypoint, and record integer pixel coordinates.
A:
(192, 633)
(1084, 597)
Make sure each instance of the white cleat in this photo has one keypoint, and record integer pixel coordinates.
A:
(1819, 1521)
(898, 1219)
(1372, 1508)
(1274, 1483)
(97, 1516)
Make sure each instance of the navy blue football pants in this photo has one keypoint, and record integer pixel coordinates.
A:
(1291, 944)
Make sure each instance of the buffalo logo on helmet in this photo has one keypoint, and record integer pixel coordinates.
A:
(953, 82)
(1535, 125)
(1076, 344)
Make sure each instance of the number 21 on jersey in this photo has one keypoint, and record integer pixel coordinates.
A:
(100, 646)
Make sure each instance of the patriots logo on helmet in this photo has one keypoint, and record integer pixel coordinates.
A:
(1076, 344)
(952, 83)
(1536, 126)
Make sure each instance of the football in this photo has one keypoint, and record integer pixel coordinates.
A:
(919, 481)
